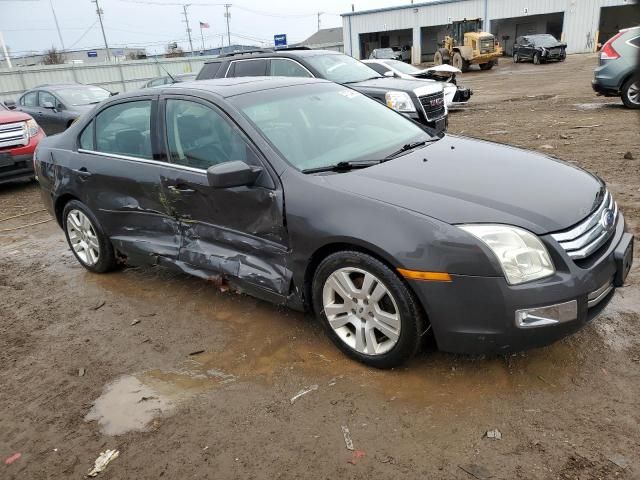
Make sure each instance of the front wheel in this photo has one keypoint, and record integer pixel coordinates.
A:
(486, 66)
(88, 242)
(516, 57)
(537, 59)
(631, 93)
(367, 310)
(460, 62)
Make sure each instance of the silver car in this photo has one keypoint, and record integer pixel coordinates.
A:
(617, 74)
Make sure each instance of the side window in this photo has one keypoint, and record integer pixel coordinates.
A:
(250, 68)
(635, 42)
(86, 137)
(199, 137)
(287, 68)
(209, 70)
(47, 97)
(29, 100)
(125, 129)
(381, 69)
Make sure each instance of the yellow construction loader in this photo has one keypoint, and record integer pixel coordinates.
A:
(466, 44)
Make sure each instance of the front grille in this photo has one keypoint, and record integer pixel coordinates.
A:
(589, 235)
(433, 106)
(487, 45)
(13, 135)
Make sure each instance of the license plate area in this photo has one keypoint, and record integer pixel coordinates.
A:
(6, 160)
(624, 259)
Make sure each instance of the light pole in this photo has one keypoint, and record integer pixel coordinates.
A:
(55, 19)
(228, 16)
(186, 20)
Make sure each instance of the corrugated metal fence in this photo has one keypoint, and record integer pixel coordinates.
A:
(118, 77)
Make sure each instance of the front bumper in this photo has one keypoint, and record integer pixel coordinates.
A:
(477, 315)
(16, 167)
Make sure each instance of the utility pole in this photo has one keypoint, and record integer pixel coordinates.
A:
(4, 50)
(186, 20)
(100, 12)
(55, 19)
(319, 13)
(228, 16)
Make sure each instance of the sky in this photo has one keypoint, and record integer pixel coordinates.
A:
(28, 25)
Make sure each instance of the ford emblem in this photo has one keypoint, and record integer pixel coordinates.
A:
(608, 219)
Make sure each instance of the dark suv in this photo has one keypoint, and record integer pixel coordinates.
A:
(414, 98)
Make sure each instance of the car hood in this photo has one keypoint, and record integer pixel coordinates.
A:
(460, 180)
(13, 116)
(554, 45)
(388, 83)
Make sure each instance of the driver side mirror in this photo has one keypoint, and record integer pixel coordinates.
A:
(232, 174)
(48, 105)
(389, 73)
(10, 104)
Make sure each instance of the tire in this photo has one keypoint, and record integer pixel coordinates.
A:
(631, 93)
(516, 57)
(460, 62)
(486, 66)
(536, 59)
(356, 328)
(441, 57)
(85, 236)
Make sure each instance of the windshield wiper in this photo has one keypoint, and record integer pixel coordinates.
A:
(362, 80)
(342, 166)
(410, 146)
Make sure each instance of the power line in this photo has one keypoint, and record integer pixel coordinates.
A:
(84, 34)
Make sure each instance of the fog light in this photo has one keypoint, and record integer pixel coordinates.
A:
(549, 315)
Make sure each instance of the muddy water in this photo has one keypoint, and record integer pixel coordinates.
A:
(263, 340)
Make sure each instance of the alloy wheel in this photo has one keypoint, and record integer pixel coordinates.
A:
(82, 237)
(361, 311)
(634, 92)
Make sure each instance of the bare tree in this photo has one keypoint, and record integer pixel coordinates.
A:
(53, 57)
(139, 55)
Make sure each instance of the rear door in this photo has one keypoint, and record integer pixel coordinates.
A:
(28, 103)
(238, 232)
(118, 176)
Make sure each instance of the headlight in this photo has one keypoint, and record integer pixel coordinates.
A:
(521, 254)
(32, 128)
(399, 101)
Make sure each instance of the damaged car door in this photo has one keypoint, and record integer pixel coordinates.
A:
(235, 230)
(118, 177)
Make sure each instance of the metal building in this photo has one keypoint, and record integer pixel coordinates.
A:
(582, 24)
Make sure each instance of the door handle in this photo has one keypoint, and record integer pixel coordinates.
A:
(82, 172)
(180, 189)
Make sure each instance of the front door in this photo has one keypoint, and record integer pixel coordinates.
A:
(48, 118)
(237, 232)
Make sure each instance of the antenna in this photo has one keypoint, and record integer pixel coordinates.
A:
(165, 70)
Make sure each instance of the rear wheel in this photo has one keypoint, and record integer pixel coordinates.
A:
(88, 242)
(367, 310)
(460, 62)
(631, 93)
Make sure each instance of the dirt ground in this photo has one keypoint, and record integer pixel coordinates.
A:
(95, 362)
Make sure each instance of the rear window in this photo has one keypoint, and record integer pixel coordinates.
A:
(209, 70)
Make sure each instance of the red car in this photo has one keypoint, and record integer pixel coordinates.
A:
(19, 137)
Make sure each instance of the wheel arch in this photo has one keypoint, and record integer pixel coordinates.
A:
(60, 203)
(341, 246)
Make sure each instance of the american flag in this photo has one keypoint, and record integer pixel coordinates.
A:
(204, 25)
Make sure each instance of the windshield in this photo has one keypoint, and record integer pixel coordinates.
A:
(82, 95)
(341, 68)
(403, 67)
(320, 125)
(384, 53)
(543, 40)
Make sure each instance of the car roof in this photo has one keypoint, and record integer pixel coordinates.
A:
(230, 87)
(275, 53)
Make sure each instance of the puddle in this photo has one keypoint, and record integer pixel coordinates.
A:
(128, 405)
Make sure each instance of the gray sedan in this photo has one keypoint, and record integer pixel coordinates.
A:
(55, 107)
(309, 194)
